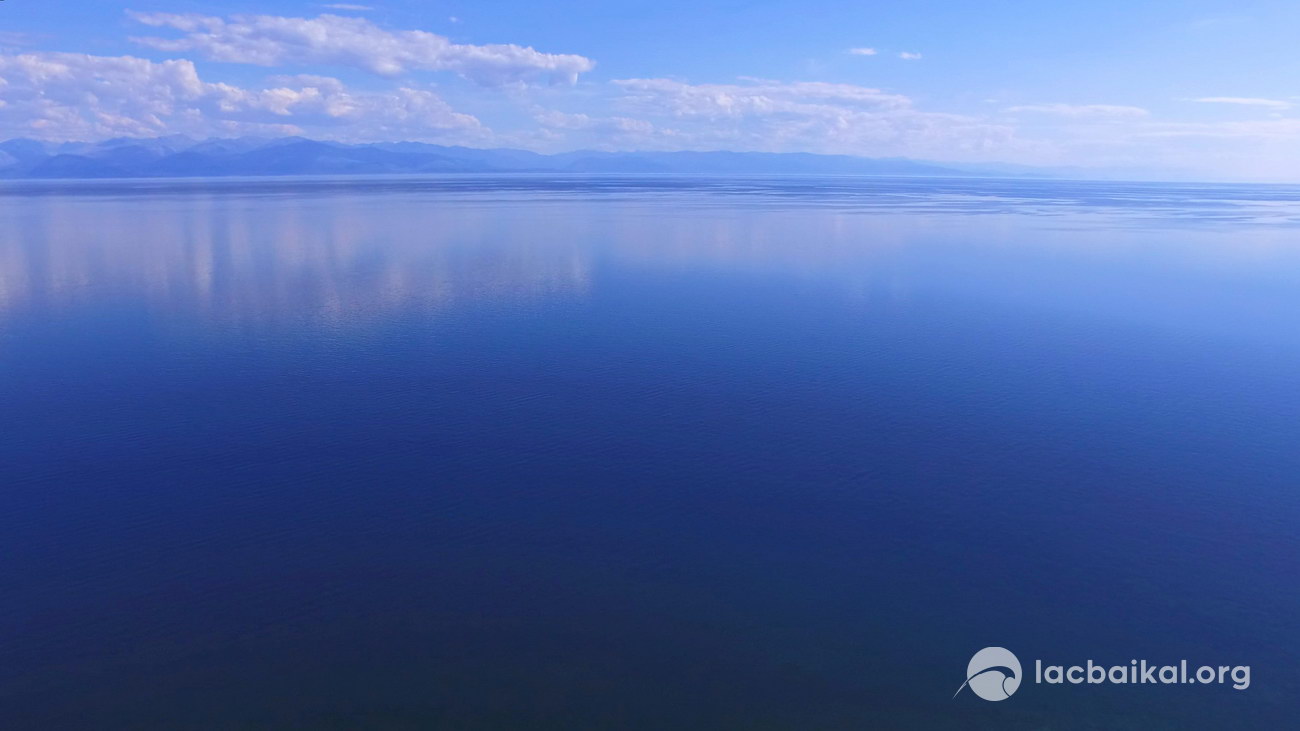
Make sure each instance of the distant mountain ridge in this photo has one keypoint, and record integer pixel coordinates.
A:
(179, 156)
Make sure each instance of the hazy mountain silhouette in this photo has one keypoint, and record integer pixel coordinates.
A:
(179, 156)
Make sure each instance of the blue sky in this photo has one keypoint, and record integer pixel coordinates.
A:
(1203, 89)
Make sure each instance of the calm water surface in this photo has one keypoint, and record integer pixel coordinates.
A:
(643, 453)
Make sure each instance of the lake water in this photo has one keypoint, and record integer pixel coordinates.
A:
(644, 453)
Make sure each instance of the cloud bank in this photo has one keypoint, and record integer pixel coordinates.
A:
(777, 116)
(267, 40)
(70, 96)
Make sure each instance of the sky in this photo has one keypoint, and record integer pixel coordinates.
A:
(1180, 88)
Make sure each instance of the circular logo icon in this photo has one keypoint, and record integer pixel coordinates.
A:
(993, 674)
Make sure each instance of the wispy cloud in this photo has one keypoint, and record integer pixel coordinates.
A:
(862, 51)
(269, 40)
(347, 6)
(755, 97)
(779, 116)
(909, 56)
(81, 97)
(1245, 101)
(1080, 110)
(18, 39)
(1259, 131)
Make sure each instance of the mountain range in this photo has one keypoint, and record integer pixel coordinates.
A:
(179, 156)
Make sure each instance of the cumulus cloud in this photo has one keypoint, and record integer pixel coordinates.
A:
(1080, 110)
(267, 40)
(1245, 101)
(909, 56)
(777, 116)
(862, 51)
(77, 96)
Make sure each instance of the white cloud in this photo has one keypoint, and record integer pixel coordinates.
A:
(267, 40)
(1245, 101)
(348, 6)
(1081, 110)
(17, 38)
(775, 116)
(756, 97)
(909, 56)
(862, 51)
(66, 96)
(1257, 131)
(614, 126)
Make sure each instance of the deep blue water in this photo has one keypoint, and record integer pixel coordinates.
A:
(643, 453)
